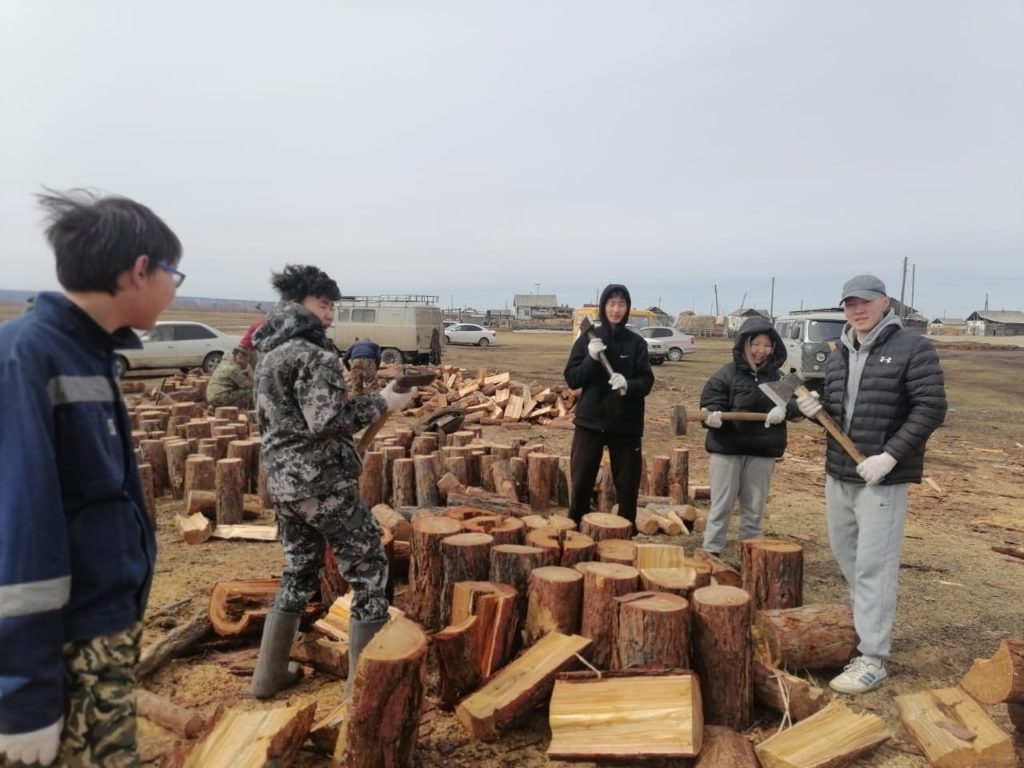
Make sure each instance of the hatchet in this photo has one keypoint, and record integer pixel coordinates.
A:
(587, 328)
(782, 390)
(403, 383)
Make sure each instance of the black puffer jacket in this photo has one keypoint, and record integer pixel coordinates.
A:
(734, 387)
(599, 407)
(900, 402)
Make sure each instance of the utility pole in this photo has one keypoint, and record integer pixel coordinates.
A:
(903, 289)
(771, 301)
(716, 300)
(913, 282)
(537, 286)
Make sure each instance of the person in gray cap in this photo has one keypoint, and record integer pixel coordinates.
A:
(885, 387)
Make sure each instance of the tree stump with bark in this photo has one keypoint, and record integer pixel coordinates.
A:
(426, 568)
(653, 631)
(505, 530)
(602, 525)
(554, 602)
(816, 636)
(679, 475)
(154, 454)
(200, 473)
(773, 573)
(780, 691)
(722, 654)
(464, 557)
(371, 480)
(571, 547)
(542, 479)
(621, 551)
(229, 491)
(602, 583)
(426, 481)
(724, 748)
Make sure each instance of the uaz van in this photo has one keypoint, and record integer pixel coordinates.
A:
(810, 336)
(407, 327)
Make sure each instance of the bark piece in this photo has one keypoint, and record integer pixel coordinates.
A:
(602, 582)
(722, 653)
(554, 602)
(999, 679)
(653, 630)
(833, 737)
(816, 636)
(773, 573)
(779, 690)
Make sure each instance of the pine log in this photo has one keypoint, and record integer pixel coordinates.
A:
(148, 483)
(498, 618)
(724, 748)
(679, 475)
(721, 572)
(659, 556)
(200, 473)
(554, 602)
(403, 482)
(458, 468)
(229, 491)
(194, 529)
(426, 481)
(601, 525)
(206, 502)
(680, 581)
(177, 641)
(621, 551)
(423, 445)
(381, 730)
(426, 568)
(505, 530)
(165, 713)
(605, 490)
(773, 573)
(542, 480)
(457, 650)
(722, 653)
(391, 454)
(564, 480)
(248, 452)
(816, 636)
(393, 521)
(1016, 714)
(177, 454)
(626, 718)
(502, 480)
(371, 480)
(497, 504)
(517, 466)
(833, 737)
(154, 454)
(571, 547)
(486, 474)
(647, 522)
(254, 738)
(198, 428)
(554, 522)
(658, 484)
(700, 492)
(464, 557)
(999, 679)
(519, 687)
(602, 582)
(324, 654)
(782, 692)
(652, 631)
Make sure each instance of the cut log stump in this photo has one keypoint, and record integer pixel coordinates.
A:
(833, 737)
(724, 748)
(570, 547)
(602, 525)
(464, 557)
(602, 583)
(426, 569)
(554, 602)
(457, 650)
(773, 573)
(653, 630)
(722, 653)
(621, 551)
(816, 636)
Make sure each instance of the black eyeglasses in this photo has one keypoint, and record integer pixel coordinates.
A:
(179, 277)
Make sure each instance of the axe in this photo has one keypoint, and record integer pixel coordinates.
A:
(403, 383)
(680, 416)
(587, 327)
(781, 391)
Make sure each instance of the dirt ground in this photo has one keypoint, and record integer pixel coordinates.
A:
(957, 597)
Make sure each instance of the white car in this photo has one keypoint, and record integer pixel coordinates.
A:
(469, 333)
(664, 342)
(178, 344)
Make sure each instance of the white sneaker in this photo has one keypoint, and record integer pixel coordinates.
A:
(861, 675)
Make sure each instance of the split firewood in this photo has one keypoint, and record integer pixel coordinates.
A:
(834, 736)
(165, 713)
(175, 642)
(393, 521)
(652, 630)
(519, 687)
(324, 654)
(237, 607)
(464, 557)
(245, 532)
(773, 573)
(334, 624)
(647, 522)
(625, 718)
(194, 529)
(571, 547)
(457, 650)
(381, 730)
(817, 636)
(724, 747)
(262, 737)
(722, 654)
(953, 730)
(496, 607)
(721, 572)
(783, 692)
(999, 679)
(602, 582)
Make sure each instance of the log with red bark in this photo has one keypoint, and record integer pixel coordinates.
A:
(721, 572)
(403, 482)
(381, 730)
(602, 583)
(724, 748)
(464, 557)
(249, 452)
(722, 654)
(783, 692)
(200, 473)
(237, 607)
(457, 651)
(653, 630)
(423, 445)
(621, 551)
(679, 475)
(175, 642)
(206, 502)
(426, 568)
(571, 547)
(604, 489)
(154, 454)
(773, 573)
(505, 530)
(503, 482)
(816, 636)
(229, 491)
(498, 613)
(1000, 678)
(371, 481)
(1016, 714)
(148, 483)
(554, 602)
(542, 480)
(601, 525)
(518, 467)
(426, 481)
(496, 504)
(165, 713)
(658, 482)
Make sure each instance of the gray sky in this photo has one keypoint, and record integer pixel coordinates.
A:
(472, 150)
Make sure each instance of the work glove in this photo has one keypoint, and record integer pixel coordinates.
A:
(713, 419)
(34, 747)
(776, 415)
(397, 401)
(618, 382)
(809, 404)
(595, 348)
(874, 468)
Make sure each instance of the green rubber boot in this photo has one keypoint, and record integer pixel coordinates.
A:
(273, 670)
(359, 635)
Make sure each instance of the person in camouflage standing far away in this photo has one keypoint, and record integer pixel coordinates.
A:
(307, 421)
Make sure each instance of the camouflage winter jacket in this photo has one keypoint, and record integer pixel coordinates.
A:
(306, 418)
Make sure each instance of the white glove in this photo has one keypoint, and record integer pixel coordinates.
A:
(776, 415)
(618, 382)
(595, 348)
(874, 468)
(397, 401)
(34, 747)
(809, 406)
(714, 419)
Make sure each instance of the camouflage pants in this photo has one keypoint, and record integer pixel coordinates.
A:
(99, 710)
(364, 377)
(345, 523)
(240, 398)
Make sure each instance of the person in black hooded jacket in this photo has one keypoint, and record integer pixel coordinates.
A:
(610, 411)
(743, 453)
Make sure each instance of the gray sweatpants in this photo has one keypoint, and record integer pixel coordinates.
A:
(865, 529)
(746, 478)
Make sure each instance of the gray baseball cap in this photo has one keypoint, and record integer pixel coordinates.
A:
(867, 287)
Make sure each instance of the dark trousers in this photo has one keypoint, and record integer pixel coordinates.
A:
(585, 460)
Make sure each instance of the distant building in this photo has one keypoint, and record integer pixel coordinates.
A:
(947, 326)
(661, 317)
(535, 306)
(734, 320)
(992, 323)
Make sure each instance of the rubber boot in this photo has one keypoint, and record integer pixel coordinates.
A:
(359, 635)
(273, 670)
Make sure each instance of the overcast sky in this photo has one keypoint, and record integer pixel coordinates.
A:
(473, 150)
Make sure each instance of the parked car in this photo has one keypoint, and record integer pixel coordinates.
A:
(666, 343)
(469, 333)
(177, 344)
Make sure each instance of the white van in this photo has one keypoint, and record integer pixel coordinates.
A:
(407, 327)
(810, 336)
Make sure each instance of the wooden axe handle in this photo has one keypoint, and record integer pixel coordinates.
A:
(702, 414)
(832, 428)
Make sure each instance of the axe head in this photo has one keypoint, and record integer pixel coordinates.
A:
(782, 390)
(586, 326)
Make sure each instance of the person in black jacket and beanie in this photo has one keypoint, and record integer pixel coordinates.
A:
(743, 453)
(610, 411)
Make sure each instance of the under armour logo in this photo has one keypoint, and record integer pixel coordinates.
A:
(884, 359)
